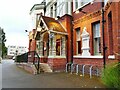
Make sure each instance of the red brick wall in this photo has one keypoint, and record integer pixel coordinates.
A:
(119, 32)
(66, 22)
(81, 20)
(33, 45)
(43, 59)
(85, 21)
(57, 64)
(93, 61)
(88, 9)
(114, 8)
(32, 41)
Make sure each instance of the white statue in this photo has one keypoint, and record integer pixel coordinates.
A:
(85, 43)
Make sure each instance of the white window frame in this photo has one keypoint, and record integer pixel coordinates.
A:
(96, 38)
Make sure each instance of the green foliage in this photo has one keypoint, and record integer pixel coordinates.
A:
(4, 48)
(111, 75)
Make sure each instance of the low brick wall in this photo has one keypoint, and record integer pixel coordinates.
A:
(57, 64)
(29, 67)
(95, 61)
(43, 59)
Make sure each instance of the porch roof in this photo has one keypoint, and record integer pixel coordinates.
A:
(53, 24)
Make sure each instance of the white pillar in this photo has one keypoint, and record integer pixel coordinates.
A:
(50, 46)
(54, 46)
(41, 46)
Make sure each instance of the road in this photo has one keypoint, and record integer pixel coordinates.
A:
(15, 77)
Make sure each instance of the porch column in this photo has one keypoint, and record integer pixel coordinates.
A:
(63, 46)
(54, 46)
(41, 46)
(38, 47)
(50, 46)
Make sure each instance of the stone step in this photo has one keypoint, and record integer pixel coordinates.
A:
(45, 67)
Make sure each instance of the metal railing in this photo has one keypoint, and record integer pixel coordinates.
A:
(32, 57)
(22, 58)
(35, 59)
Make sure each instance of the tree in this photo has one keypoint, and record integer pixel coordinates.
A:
(4, 48)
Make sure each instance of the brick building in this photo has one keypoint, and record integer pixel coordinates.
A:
(91, 18)
(78, 38)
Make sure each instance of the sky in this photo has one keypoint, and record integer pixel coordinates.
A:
(15, 19)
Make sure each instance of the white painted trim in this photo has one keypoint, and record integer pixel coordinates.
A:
(56, 56)
(29, 56)
(58, 32)
(78, 56)
(111, 57)
(82, 6)
(42, 56)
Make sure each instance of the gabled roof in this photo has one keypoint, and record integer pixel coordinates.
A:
(53, 24)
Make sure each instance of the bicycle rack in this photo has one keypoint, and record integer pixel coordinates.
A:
(67, 67)
(91, 70)
(77, 68)
(72, 67)
(83, 69)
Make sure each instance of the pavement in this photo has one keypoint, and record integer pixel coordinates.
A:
(0, 76)
(15, 77)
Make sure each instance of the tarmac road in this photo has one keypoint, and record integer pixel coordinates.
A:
(15, 77)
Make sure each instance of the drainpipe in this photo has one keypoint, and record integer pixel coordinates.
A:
(71, 39)
(104, 47)
(72, 33)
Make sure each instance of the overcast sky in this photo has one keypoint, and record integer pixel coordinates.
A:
(15, 19)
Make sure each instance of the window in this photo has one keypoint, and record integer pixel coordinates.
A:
(96, 38)
(110, 33)
(55, 9)
(51, 11)
(76, 4)
(78, 34)
(78, 40)
(58, 46)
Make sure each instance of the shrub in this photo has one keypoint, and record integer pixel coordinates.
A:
(111, 76)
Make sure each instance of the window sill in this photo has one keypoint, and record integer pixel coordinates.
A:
(56, 56)
(78, 56)
(111, 57)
